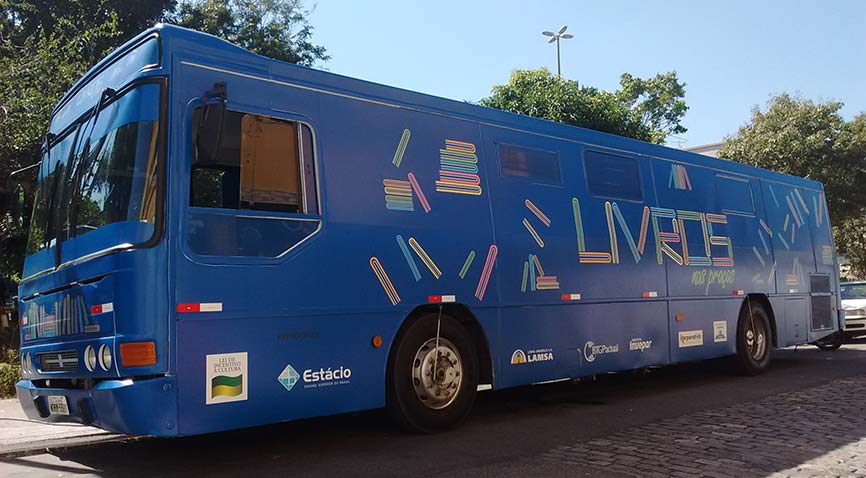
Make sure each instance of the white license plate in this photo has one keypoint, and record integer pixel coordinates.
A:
(57, 405)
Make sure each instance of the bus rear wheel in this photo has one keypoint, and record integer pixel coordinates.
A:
(432, 379)
(754, 340)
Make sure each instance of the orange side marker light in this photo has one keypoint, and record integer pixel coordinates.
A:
(137, 354)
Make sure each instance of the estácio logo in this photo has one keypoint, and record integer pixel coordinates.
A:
(326, 377)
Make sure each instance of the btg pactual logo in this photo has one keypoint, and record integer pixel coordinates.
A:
(592, 351)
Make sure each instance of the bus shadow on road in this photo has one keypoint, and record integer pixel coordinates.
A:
(527, 422)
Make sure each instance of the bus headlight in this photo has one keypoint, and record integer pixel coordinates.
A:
(30, 368)
(105, 357)
(24, 370)
(90, 358)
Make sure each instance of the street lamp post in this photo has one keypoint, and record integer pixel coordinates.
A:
(555, 37)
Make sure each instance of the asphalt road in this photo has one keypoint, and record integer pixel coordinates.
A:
(683, 420)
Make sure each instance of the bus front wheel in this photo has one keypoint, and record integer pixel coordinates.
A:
(432, 377)
(754, 340)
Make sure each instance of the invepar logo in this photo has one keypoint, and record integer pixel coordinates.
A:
(592, 351)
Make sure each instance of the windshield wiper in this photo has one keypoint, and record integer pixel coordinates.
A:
(80, 161)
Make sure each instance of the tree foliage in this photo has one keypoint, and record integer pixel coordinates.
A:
(273, 28)
(800, 137)
(645, 109)
(45, 46)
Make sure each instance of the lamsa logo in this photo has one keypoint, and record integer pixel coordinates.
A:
(538, 355)
(592, 351)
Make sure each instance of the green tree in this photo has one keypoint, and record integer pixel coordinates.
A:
(800, 137)
(648, 110)
(274, 28)
(850, 237)
(659, 102)
(45, 46)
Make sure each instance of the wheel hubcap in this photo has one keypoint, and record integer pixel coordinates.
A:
(437, 373)
(756, 339)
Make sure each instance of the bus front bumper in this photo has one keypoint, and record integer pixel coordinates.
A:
(135, 407)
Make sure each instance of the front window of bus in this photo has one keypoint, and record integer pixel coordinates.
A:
(43, 231)
(109, 182)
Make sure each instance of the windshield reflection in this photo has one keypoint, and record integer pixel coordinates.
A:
(104, 172)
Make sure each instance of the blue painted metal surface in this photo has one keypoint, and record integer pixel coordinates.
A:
(562, 282)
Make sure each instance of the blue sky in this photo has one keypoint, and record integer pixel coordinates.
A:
(733, 55)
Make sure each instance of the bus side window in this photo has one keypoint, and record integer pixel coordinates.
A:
(534, 165)
(612, 176)
(734, 195)
(261, 164)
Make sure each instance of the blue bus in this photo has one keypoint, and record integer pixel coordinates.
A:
(221, 240)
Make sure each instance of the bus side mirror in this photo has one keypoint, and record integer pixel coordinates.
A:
(209, 133)
(17, 202)
(18, 185)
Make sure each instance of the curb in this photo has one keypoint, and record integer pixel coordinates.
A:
(43, 446)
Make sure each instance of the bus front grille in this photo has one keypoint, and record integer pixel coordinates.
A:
(62, 361)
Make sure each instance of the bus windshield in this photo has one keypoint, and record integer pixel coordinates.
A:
(103, 172)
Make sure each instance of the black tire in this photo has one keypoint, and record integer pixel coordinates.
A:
(437, 412)
(830, 343)
(753, 349)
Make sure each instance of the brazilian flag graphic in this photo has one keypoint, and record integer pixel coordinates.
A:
(222, 385)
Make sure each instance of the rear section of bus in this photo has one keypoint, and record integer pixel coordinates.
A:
(95, 329)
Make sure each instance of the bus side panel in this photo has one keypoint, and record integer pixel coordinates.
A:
(791, 239)
(825, 262)
(377, 256)
(721, 243)
(290, 368)
(706, 328)
(803, 248)
(584, 339)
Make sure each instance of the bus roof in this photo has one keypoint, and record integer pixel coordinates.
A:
(174, 38)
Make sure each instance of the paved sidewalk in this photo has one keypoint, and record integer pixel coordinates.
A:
(21, 436)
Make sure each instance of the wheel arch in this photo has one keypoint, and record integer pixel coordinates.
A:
(462, 314)
(764, 301)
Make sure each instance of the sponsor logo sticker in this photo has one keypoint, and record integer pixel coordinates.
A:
(326, 377)
(591, 351)
(640, 344)
(289, 377)
(720, 331)
(314, 378)
(226, 378)
(536, 355)
(691, 338)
